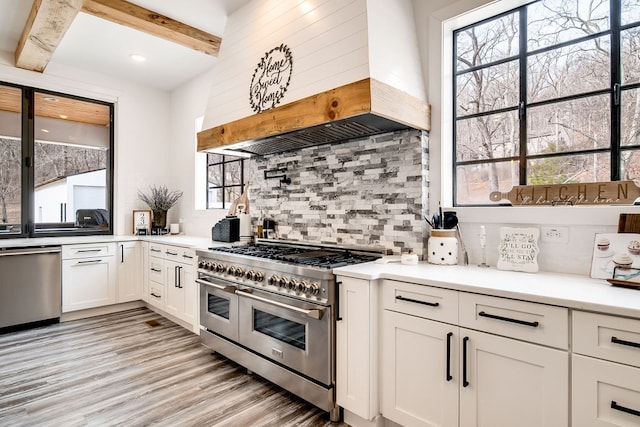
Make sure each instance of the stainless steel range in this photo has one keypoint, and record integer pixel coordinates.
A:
(271, 307)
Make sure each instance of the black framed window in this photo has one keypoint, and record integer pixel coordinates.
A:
(56, 163)
(225, 180)
(547, 93)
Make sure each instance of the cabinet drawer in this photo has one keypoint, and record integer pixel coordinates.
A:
(156, 294)
(156, 270)
(187, 256)
(156, 250)
(528, 321)
(607, 337)
(171, 252)
(604, 393)
(418, 300)
(88, 251)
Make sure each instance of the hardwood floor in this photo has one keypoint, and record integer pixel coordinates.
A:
(117, 369)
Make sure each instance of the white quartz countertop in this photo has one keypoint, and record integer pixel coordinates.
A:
(565, 290)
(194, 242)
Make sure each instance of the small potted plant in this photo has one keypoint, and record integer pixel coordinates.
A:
(160, 200)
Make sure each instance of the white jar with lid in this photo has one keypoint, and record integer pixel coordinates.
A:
(442, 247)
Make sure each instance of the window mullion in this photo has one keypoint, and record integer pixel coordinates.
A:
(28, 147)
(523, 96)
(616, 80)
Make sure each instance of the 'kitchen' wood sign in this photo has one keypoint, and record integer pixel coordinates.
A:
(593, 193)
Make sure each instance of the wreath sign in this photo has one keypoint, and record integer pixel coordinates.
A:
(271, 78)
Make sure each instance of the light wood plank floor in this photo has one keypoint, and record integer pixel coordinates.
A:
(117, 370)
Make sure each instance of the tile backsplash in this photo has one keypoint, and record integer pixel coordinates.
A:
(366, 192)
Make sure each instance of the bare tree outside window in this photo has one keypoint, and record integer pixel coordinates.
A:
(560, 118)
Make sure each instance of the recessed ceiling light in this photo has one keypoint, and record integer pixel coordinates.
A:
(45, 130)
(50, 99)
(63, 116)
(137, 57)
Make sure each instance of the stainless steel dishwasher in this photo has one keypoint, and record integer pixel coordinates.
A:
(30, 286)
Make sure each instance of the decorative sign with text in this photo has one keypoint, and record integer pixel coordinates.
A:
(592, 193)
(271, 78)
(518, 249)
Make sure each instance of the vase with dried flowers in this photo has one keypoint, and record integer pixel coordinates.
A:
(160, 200)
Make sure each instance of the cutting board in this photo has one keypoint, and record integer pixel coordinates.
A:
(629, 223)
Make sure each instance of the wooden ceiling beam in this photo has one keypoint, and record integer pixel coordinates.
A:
(128, 14)
(47, 23)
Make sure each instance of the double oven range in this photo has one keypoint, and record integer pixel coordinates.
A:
(272, 308)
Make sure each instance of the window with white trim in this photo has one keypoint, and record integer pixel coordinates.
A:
(546, 93)
(225, 180)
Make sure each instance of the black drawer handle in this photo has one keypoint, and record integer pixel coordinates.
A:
(187, 256)
(623, 342)
(430, 304)
(156, 270)
(465, 380)
(508, 319)
(614, 405)
(171, 253)
(154, 250)
(155, 295)
(449, 335)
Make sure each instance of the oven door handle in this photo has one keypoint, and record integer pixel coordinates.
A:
(228, 289)
(315, 313)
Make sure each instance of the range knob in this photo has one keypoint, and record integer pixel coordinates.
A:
(220, 268)
(251, 275)
(274, 280)
(283, 282)
(313, 288)
(293, 284)
(239, 272)
(259, 276)
(202, 264)
(231, 270)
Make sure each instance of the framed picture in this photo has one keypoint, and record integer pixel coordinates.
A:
(518, 249)
(616, 255)
(141, 221)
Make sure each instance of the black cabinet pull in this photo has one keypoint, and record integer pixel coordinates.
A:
(155, 295)
(449, 335)
(431, 304)
(156, 270)
(180, 277)
(338, 317)
(121, 253)
(171, 253)
(187, 256)
(623, 342)
(176, 274)
(614, 405)
(508, 319)
(465, 381)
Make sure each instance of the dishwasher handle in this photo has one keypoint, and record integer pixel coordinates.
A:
(31, 251)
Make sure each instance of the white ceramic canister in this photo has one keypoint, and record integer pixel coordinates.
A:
(442, 247)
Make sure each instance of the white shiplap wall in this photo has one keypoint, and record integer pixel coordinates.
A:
(330, 42)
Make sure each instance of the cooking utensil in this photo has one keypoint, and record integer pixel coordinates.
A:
(465, 256)
(450, 220)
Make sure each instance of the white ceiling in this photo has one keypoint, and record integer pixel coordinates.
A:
(96, 45)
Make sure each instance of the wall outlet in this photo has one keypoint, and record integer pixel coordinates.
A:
(554, 234)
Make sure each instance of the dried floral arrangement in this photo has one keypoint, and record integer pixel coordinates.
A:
(160, 198)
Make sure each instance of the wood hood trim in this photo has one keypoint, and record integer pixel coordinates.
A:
(367, 96)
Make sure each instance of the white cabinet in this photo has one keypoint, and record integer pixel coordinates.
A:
(89, 276)
(505, 382)
(419, 371)
(171, 275)
(605, 370)
(357, 347)
(429, 360)
(144, 251)
(129, 272)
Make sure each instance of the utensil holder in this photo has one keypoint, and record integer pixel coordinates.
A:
(442, 247)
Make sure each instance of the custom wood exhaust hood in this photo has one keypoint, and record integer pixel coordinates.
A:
(363, 108)
(333, 71)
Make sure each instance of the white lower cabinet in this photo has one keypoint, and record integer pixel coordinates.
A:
(171, 282)
(419, 371)
(357, 347)
(89, 276)
(128, 257)
(442, 374)
(509, 382)
(605, 370)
